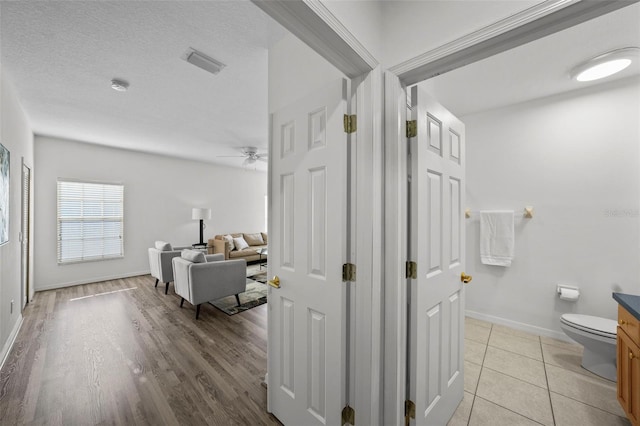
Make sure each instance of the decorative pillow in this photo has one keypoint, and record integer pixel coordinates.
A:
(240, 243)
(229, 239)
(163, 246)
(195, 256)
(254, 239)
(264, 237)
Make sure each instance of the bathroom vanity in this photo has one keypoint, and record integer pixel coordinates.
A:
(628, 347)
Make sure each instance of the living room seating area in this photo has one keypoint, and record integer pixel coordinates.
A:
(240, 246)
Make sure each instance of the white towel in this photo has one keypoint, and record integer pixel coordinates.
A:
(496, 237)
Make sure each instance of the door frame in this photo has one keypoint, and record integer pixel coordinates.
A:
(380, 238)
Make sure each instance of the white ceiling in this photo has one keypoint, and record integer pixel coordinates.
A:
(539, 68)
(62, 55)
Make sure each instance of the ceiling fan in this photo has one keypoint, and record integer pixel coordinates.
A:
(250, 155)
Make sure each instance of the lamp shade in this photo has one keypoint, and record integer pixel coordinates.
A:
(200, 214)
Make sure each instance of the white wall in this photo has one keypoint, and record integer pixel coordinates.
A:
(399, 30)
(159, 194)
(295, 70)
(576, 159)
(16, 136)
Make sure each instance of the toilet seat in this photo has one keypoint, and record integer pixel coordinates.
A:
(593, 325)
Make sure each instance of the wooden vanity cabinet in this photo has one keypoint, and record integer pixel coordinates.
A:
(629, 365)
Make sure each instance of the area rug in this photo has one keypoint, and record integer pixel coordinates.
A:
(255, 295)
(261, 277)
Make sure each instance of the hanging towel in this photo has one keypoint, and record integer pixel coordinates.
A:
(496, 237)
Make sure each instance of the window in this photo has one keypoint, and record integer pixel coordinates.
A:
(90, 221)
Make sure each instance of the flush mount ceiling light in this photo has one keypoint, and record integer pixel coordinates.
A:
(119, 85)
(605, 65)
(203, 61)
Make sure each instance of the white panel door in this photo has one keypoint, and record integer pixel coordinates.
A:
(307, 247)
(437, 240)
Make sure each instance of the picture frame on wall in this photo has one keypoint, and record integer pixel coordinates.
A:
(4, 194)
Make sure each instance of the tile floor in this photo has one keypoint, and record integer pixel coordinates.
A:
(516, 378)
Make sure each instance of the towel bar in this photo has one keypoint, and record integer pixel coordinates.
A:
(528, 213)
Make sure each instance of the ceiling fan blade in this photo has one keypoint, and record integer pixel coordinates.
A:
(264, 160)
(230, 156)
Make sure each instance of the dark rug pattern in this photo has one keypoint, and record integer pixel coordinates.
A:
(255, 295)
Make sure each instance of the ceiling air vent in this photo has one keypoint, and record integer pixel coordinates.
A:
(203, 61)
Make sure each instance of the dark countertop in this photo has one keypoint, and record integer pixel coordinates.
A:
(630, 302)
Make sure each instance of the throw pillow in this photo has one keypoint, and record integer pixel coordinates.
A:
(229, 241)
(254, 239)
(264, 237)
(195, 256)
(240, 243)
(163, 246)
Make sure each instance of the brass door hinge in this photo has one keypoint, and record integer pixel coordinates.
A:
(348, 416)
(409, 411)
(411, 270)
(412, 128)
(350, 123)
(348, 272)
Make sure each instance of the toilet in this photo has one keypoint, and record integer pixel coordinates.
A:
(598, 336)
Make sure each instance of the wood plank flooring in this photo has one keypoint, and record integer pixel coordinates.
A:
(128, 354)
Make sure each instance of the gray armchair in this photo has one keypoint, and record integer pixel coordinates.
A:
(160, 262)
(199, 279)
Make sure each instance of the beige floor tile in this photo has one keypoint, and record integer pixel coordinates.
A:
(565, 358)
(474, 351)
(568, 412)
(597, 392)
(515, 365)
(462, 413)
(513, 394)
(469, 320)
(486, 413)
(477, 333)
(561, 343)
(513, 332)
(471, 376)
(519, 345)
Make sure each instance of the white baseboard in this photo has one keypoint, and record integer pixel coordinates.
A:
(10, 341)
(90, 281)
(520, 326)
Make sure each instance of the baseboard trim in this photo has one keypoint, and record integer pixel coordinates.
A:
(6, 350)
(520, 326)
(90, 281)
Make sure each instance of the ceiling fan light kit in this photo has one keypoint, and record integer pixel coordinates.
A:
(119, 85)
(250, 155)
(605, 65)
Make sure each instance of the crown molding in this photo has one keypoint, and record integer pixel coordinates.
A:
(315, 25)
(530, 24)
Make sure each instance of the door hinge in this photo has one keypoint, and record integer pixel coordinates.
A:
(348, 416)
(350, 123)
(409, 411)
(348, 272)
(411, 270)
(412, 128)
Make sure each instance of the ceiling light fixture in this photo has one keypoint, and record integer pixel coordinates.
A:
(119, 85)
(605, 65)
(203, 61)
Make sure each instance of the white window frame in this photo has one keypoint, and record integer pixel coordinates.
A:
(88, 191)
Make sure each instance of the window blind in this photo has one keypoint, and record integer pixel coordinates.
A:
(90, 221)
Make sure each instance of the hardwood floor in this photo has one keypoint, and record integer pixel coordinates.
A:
(132, 356)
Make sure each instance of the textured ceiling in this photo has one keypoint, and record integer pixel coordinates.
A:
(61, 57)
(539, 68)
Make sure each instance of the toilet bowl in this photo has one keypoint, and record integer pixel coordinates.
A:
(598, 336)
